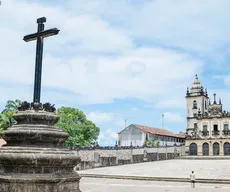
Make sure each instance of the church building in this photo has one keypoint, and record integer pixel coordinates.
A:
(207, 130)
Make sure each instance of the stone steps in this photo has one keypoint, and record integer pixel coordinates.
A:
(204, 157)
(168, 179)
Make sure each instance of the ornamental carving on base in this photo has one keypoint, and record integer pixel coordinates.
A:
(48, 107)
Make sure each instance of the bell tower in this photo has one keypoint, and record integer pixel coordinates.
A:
(197, 103)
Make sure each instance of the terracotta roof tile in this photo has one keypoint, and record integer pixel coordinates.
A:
(157, 131)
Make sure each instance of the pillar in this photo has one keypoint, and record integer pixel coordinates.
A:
(166, 154)
(131, 150)
(157, 153)
(221, 148)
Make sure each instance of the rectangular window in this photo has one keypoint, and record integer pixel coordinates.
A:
(226, 127)
(215, 127)
(205, 128)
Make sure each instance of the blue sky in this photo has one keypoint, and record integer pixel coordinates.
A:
(118, 60)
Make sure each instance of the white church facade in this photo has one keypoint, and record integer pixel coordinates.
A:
(207, 131)
(139, 135)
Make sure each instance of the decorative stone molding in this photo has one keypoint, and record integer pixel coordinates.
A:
(37, 106)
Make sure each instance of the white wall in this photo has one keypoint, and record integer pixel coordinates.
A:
(200, 100)
(131, 134)
(210, 123)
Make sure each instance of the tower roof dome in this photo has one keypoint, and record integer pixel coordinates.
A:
(196, 83)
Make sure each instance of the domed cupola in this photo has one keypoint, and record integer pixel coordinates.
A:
(197, 89)
(197, 84)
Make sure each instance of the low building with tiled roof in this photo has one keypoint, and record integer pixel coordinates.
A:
(138, 135)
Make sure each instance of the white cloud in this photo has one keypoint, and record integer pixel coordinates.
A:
(103, 117)
(99, 117)
(108, 137)
(226, 79)
(134, 109)
(173, 117)
(193, 24)
(101, 137)
(70, 61)
(171, 103)
(111, 133)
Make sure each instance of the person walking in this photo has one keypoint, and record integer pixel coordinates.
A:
(192, 176)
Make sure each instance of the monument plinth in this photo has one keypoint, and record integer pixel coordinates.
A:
(34, 159)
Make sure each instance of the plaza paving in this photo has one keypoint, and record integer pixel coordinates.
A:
(177, 168)
(113, 185)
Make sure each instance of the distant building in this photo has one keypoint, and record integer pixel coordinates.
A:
(138, 135)
(207, 124)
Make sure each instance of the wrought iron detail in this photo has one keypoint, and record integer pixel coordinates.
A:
(215, 132)
(226, 132)
(205, 133)
(37, 106)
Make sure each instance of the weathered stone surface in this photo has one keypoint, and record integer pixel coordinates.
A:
(101, 157)
(38, 182)
(34, 159)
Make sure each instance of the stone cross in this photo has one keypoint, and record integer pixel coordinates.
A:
(214, 98)
(39, 36)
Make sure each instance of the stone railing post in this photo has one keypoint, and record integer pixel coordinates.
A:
(131, 150)
(157, 153)
(96, 155)
(116, 148)
(145, 152)
(175, 151)
(78, 149)
(166, 154)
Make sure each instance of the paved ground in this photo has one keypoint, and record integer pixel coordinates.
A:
(204, 169)
(113, 185)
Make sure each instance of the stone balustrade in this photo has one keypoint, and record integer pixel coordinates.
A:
(94, 157)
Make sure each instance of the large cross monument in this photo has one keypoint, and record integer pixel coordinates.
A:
(35, 159)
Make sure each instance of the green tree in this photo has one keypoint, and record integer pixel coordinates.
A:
(6, 117)
(12, 105)
(158, 143)
(81, 131)
(150, 143)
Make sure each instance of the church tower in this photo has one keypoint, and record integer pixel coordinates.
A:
(197, 103)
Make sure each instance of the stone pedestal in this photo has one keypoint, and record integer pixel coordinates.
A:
(34, 159)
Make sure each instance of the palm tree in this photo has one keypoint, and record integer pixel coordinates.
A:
(12, 105)
(6, 120)
(6, 117)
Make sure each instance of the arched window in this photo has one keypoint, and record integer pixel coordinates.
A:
(205, 148)
(226, 148)
(216, 149)
(194, 104)
(205, 104)
(193, 149)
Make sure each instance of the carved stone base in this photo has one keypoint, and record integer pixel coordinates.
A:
(38, 183)
(27, 169)
(34, 159)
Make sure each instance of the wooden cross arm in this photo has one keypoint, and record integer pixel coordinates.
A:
(46, 33)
